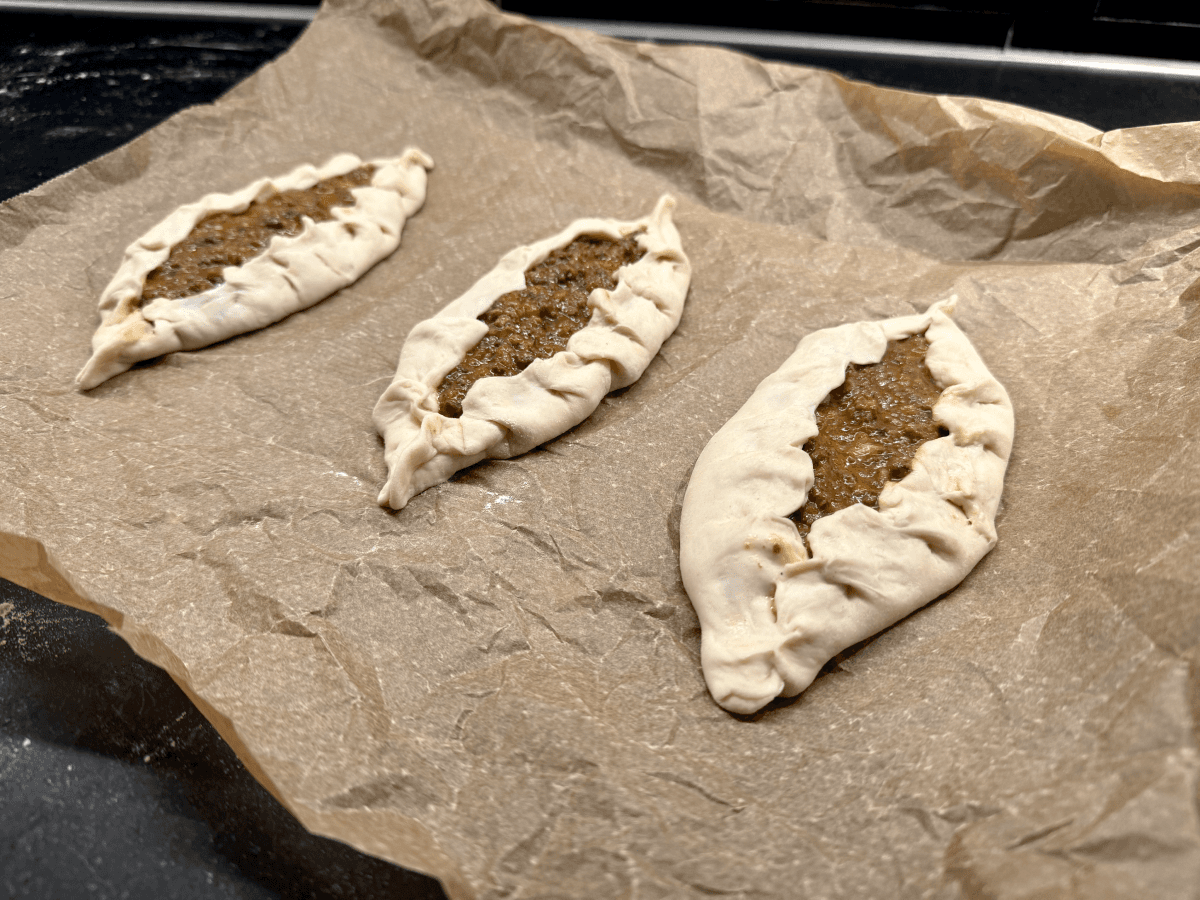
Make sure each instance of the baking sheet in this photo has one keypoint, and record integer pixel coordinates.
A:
(499, 685)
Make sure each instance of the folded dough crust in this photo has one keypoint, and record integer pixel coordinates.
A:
(771, 615)
(293, 273)
(504, 416)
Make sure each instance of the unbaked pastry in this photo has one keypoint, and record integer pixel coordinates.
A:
(293, 273)
(771, 615)
(508, 415)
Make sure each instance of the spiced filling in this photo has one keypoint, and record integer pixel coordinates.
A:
(868, 430)
(537, 321)
(226, 239)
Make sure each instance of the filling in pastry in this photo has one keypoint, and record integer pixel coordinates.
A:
(536, 322)
(869, 428)
(231, 239)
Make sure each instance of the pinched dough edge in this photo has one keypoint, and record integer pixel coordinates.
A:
(771, 616)
(293, 273)
(506, 416)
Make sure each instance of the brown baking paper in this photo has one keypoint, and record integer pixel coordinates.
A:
(500, 684)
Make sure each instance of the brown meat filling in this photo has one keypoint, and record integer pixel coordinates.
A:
(231, 239)
(868, 430)
(537, 322)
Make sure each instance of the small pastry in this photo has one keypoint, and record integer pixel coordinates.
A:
(532, 348)
(232, 263)
(859, 482)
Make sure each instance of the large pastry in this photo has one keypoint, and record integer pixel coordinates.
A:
(858, 482)
(232, 263)
(532, 348)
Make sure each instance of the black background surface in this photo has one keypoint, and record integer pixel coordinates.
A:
(112, 785)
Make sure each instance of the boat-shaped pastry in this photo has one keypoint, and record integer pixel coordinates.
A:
(232, 263)
(532, 348)
(859, 482)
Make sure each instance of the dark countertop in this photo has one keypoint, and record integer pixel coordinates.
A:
(112, 785)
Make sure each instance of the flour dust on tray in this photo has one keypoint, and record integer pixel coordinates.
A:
(532, 348)
(232, 263)
(858, 482)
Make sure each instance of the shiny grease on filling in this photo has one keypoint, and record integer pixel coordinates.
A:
(536, 322)
(231, 239)
(868, 430)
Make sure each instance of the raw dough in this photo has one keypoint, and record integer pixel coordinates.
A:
(771, 616)
(506, 416)
(292, 274)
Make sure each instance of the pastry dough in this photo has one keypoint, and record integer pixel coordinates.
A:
(293, 273)
(771, 615)
(508, 415)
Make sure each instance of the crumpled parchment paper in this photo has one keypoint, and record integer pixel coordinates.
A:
(500, 684)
